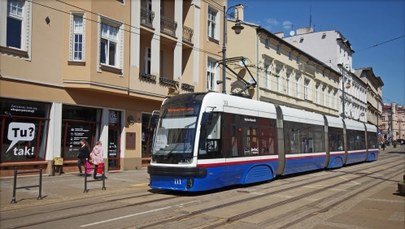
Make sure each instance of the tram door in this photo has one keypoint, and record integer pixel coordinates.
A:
(114, 133)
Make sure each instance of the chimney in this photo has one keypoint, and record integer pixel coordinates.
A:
(305, 30)
(239, 12)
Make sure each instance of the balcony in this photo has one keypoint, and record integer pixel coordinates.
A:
(187, 87)
(168, 26)
(188, 34)
(147, 77)
(147, 17)
(168, 82)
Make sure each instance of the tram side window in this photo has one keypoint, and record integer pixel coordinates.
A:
(249, 136)
(267, 137)
(335, 139)
(355, 140)
(232, 138)
(372, 142)
(303, 138)
(210, 138)
(250, 141)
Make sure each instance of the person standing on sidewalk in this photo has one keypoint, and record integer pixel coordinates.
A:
(97, 157)
(84, 154)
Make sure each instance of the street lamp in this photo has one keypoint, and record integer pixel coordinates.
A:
(343, 71)
(238, 29)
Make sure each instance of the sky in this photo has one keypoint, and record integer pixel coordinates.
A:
(375, 29)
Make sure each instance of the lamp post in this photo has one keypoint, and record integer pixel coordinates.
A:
(343, 71)
(237, 28)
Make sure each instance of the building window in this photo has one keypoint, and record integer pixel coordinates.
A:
(211, 74)
(77, 43)
(307, 89)
(297, 86)
(110, 44)
(278, 84)
(15, 31)
(317, 94)
(325, 96)
(267, 75)
(278, 76)
(267, 43)
(15, 20)
(147, 58)
(331, 99)
(212, 23)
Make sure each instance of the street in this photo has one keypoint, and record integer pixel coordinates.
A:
(358, 196)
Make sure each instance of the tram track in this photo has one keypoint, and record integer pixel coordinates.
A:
(316, 210)
(72, 214)
(82, 203)
(337, 201)
(111, 204)
(258, 210)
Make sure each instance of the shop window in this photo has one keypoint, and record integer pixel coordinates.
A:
(24, 130)
(78, 123)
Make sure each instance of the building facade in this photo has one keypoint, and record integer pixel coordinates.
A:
(374, 94)
(333, 49)
(392, 122)
(96, 70)
(285, 75)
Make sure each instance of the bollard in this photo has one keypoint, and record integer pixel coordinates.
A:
(85, 178)
(40, 184)
(13, 200)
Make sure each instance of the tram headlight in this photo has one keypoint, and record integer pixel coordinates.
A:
(190, 183)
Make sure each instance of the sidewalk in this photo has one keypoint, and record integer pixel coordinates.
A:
(66, 187)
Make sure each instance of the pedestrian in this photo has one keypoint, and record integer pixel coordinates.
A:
(97, 157)
(84, 154)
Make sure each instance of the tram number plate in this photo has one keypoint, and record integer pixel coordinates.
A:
(177, 181)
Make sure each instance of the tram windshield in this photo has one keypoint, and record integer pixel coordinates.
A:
(175, 134)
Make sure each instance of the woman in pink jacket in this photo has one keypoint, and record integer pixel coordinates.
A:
(97, 157)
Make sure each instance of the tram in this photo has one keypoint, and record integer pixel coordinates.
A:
(206, 141)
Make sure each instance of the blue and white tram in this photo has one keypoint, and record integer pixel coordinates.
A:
(206, 141)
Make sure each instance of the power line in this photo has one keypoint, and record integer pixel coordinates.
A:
(369, 47)
(381, 43)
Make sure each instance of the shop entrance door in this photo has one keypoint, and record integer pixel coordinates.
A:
(113, 148)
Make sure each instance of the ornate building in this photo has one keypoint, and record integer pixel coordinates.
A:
(332, 48)
(392, 122)
(374, 93)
